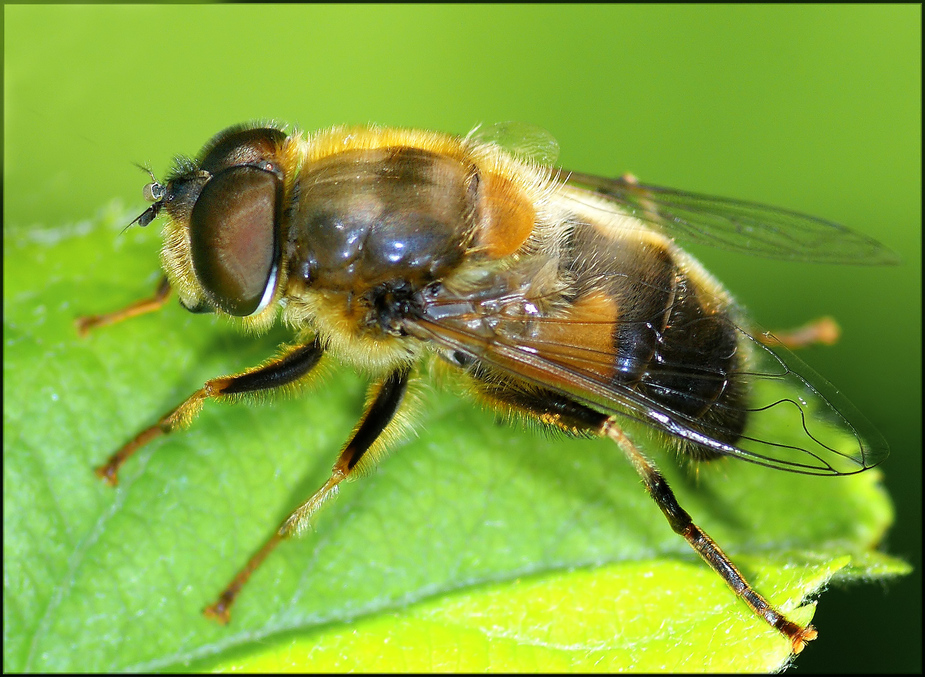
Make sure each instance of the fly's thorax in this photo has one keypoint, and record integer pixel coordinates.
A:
(364, 217)
(370, 227)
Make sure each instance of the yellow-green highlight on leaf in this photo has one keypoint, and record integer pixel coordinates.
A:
(651, 616)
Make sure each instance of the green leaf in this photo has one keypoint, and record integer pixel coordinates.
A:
(474, 546)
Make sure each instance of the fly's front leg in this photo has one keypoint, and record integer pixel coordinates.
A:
(149, 305)
(367, 440)
(291, 366)
(705, 546)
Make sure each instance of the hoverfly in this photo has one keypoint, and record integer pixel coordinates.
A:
(556, 296)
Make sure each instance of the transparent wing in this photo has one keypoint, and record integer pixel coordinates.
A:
(524, 141)
(796, 420)
(734, 225)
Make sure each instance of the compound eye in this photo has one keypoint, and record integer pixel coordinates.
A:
(233, 238)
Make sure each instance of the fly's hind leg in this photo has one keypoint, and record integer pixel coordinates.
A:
(705, 546)
(821, 331)
(557, 410)
(365, 443)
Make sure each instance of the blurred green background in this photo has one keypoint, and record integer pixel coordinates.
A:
(813, 108)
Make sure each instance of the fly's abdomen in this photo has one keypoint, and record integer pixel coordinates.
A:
(672, 338)
(695, 367)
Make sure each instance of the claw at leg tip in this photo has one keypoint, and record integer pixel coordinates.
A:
(108, 474)
(218, 612)
(808, 634)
